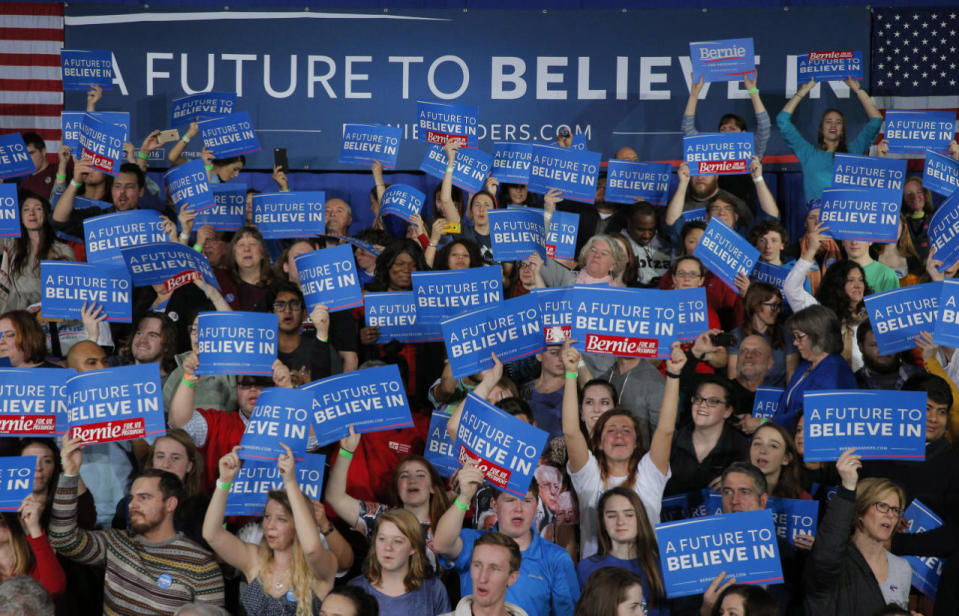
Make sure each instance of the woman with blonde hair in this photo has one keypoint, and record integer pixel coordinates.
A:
(290, 571)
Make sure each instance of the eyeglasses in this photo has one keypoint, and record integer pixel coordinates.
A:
(798, 335)
(293, 304)
(773, 305)
(688, 275)
(709, 402)
(882, 507)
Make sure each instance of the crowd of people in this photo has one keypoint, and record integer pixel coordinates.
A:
(139, 527)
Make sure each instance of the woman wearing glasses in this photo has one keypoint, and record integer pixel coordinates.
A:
(764, 306)
(850, 572)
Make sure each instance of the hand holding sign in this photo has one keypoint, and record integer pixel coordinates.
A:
(848, 467)
(286, 464)
(351, 441)
(91, 318)
(230, 465)
(469, 478)
(71, 455)
(30, 513)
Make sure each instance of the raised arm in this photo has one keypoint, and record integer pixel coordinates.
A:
(94, 94)
(446, 189)
(763, 125)
(661, 444)
(183, 403)
(175, 152)
(68, 539)
(767, 202)
(150, 143)
(835, 528)
(321, 560)
(864, 99)
(675, 208)
(227, 546)
(213, 294)
(689, 115)
(576, 446)
(803, 90)
(490, 377)
(64, 207)
(345, 506)
(446, 535)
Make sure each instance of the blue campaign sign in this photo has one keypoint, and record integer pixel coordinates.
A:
(914, 132)
(67, 286)
(9, 211)
(281, 415)
(439, 446)
(395, 315)
(794, 516)
(365, 143)
(946, 331)
(289, 214)
(556, 311)
(16, 480)
(167, 263)
(33, 402)
(469, 171)
(115, 404)
(572, 172)
(635, 322)
(517, 233)
(926, 570)
(230, 135)
(869, 173)
(229, 210)
(14, 158)
(402, 200)
(189, 186)
(941, 174)
(766, 403)
(105, 236)
(442, 123)
(899, 315)
(684, 506)
(101, 143)
(85, 68)
(718, 153)
(248, 495)
(693, 552)
(944, 232)
(725, 253)
(578, 142)
(442, 294)
(236, 342)
(328, 277)
(769, 273)
(370, 400)
(71, 121)
(725, 60)
(505, 448)
(881, 425)
(698, 213)
(829, 65)
(627, 181)
(512, 329)
(561, 238)
(511, 162)
(202, 106)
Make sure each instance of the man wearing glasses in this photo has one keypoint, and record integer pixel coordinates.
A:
(308, 357)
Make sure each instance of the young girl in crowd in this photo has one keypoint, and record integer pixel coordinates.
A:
(612, 591)
(773, 451)
(396, 571)
(290, 566)
(745, 600)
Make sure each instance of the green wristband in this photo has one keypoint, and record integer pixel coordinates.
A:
(61, 177)
(450, 169)
(208, 167)
(754, 90)
(76, 184)
(222, 485)
(346, 453)
(459, 504)
(143, 156)
(572, 375)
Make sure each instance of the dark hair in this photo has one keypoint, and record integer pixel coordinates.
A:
(936, 388)
(169, 484)
(50, 444)
(281, 274)
(927, 195)
(756, 600)
(455, 194)
(23, 247)
(363, 602)
(483, 193)
(504, 190)
(727, 197)
(864, 328)
(34, 139)
(499, 539)
(765, 227)
(596, 440)
(598, 383)
(168, 348)
(719, 381)
(516, 406)
(821, 142)
(680, 259)
(757, 294)
(135, 170)
(222, 162)
(893, 609)
(381, 273)
(737, 120)
(283, 286)
(689, 227)
(441, 260)
(647, 549)
(821, 325)
(832, 290)
(439, 501)
(746, 468)
(790, 475)
(605, 590)
(533, 488)
(30, 337)
(374, 236)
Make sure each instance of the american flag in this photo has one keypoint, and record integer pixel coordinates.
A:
(31, 92)
(915, 58)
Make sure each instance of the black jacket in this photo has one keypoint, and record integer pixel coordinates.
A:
(690, 474)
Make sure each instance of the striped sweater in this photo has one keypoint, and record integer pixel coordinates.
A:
(142, 578)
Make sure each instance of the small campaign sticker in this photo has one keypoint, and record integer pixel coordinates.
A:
(290, 596)
(165, 580)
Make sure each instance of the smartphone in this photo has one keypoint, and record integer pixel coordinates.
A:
(280, 160)
(722, 340)
(166, 136)
(451, 227)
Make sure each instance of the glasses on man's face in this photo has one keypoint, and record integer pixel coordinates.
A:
(709, 402)
(882, 507)
(293, 304)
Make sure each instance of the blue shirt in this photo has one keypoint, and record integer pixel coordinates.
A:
(588, 566)
(547, 578)
(833, 372)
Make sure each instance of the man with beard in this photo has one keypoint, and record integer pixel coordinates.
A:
(153, 341)
(309, 358)
(149, 569)
(755, 361)
(880, 371)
